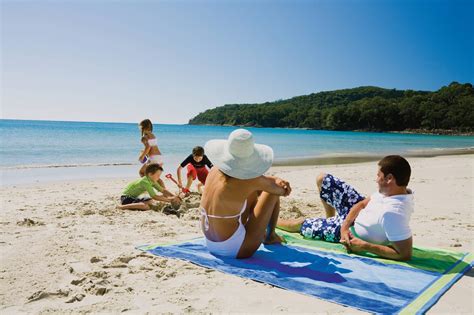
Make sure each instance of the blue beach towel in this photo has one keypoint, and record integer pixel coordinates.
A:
(365, 283)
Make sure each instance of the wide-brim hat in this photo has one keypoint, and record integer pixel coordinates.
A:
(239, 156)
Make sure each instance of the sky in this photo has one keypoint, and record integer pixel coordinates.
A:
(123, 61)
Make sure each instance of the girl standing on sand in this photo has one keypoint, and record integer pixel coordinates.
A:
(151, 151)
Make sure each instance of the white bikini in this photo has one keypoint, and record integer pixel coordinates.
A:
(154, 159)
(231, 246)
(153, 142)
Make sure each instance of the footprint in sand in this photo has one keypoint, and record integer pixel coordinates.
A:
(29, 222)
(76, 298)
(45, 294)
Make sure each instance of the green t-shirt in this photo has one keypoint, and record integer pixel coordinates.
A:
(138, 187)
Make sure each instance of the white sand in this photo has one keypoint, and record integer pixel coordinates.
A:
(79, 249)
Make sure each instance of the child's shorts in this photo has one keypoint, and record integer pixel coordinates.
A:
(200, 173)
(126, 200)
(340, 196)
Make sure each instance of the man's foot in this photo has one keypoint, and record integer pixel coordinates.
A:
(274, 239)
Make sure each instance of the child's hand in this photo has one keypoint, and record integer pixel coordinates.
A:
(176, 202)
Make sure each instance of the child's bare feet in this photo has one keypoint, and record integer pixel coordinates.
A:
(274, 239)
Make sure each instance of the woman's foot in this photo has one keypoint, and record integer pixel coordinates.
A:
(274, 239)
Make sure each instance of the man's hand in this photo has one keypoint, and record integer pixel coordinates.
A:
(357, 245)
(346, 238)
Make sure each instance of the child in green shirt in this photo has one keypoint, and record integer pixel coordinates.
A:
(130, 196)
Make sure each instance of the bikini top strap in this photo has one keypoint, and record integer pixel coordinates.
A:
(207, 216)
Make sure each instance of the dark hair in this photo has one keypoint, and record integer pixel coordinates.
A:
(398, 167)
(198, 151)
(153, 168)
(145, 124)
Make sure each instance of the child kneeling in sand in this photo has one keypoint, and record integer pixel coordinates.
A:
(130, 197)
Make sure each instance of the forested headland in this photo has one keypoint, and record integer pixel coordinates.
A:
(368, 108)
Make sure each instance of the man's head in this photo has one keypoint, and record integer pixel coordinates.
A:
(394, 172)
(153, 171)
(198, 153)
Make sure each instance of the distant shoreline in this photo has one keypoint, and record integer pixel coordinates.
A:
(434, 132)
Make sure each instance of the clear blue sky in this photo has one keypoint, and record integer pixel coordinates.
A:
(169, 60)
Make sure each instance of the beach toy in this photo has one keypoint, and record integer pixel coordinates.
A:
(144, 160)
(183, 189)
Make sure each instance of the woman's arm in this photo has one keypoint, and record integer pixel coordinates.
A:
(274, 185)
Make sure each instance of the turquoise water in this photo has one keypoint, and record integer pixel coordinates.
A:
(28, 144)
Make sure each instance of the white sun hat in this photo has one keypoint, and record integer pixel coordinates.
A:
(239, 156)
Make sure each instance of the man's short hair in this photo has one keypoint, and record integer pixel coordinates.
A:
(198, 151)
(153, 168)
(398, 167)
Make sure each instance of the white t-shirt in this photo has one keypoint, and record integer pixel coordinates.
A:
(385, 219)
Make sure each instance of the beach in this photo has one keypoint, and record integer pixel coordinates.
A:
(65, 247)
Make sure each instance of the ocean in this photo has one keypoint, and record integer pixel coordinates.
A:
(38, 151)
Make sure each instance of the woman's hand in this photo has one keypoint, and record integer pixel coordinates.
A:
(283, 184)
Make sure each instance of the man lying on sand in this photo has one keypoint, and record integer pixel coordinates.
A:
(378, 224)
(130, 197)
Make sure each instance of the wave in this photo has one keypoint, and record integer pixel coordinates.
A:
(323, 159)
(345, 158)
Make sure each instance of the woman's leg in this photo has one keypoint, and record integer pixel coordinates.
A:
(265, 214)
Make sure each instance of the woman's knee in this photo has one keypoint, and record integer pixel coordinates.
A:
(267, 197)
(248, 249)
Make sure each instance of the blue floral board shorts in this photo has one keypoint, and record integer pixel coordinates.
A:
(340, 196)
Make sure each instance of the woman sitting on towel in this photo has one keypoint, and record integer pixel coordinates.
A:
(240, 205)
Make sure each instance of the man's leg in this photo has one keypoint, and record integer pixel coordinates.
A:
(328, 230)
(339, 197)
(290, 225)
(337, 194)
(330, 211)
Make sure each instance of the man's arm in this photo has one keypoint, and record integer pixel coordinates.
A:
(400, 250)
(353, 213)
